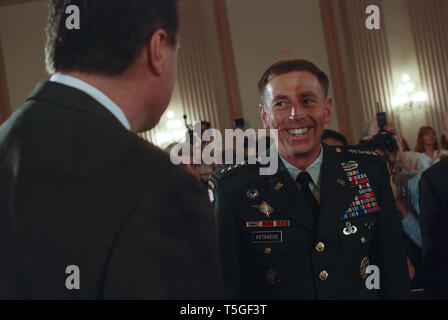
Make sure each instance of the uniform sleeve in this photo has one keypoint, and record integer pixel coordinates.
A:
(389, 247)
(229, 241)
(167, 248)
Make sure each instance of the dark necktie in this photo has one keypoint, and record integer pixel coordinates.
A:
(304, 180)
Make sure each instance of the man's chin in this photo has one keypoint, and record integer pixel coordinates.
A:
(299, 151)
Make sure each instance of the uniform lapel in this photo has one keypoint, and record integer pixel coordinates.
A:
(287, 199)
(336, 193)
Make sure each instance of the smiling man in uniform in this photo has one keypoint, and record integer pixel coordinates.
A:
(311, 230)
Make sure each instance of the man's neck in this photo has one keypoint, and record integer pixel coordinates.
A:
(121, 92)
(302, 161)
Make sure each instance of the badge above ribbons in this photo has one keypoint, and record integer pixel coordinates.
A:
(365, 202)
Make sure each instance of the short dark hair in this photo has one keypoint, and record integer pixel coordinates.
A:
(111, 34)
(328, 133)
(206, 123)
(289, 65)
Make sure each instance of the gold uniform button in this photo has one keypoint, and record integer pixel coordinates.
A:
(363, 240)
(320, 247)
(323, 275)
(267, 251)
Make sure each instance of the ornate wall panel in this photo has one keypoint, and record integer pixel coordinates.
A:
(371, 59)
(430, 29)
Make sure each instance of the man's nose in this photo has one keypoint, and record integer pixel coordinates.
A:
(297, 111)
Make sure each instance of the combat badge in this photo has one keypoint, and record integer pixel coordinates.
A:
(349, 166)
(265, 208)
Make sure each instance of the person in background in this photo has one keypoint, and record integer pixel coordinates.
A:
(427, 144)
(405, 178)
(333, 138)
(206, 170)
(186, 160)
(444, 139)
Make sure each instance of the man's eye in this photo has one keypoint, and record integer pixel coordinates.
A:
(281, 104)
(308, 101)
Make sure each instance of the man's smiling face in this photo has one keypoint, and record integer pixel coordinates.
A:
(295, 104)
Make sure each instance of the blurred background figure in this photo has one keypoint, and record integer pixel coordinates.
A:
(444, 139)
(206, 170)
(427, 144)
(434, 221)
(405, 178)
(333, 138)
(186, 160)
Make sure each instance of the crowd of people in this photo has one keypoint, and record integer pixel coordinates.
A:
(82, 196)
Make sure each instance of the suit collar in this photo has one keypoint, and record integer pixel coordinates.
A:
(95, 93)
(67, 97)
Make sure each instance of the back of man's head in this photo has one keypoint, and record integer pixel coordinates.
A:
(111, 33)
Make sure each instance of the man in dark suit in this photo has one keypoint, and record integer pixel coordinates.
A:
(324, 226)
(434, 221)
(84, 210)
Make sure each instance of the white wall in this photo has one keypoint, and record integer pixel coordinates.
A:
(261, 30)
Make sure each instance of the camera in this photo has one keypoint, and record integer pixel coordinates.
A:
(383, 140)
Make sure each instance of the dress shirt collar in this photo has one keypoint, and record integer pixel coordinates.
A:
(313, 169)
(94, 93)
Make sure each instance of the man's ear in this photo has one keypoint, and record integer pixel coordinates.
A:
(156, 51)
(263, 115)
(328, 108)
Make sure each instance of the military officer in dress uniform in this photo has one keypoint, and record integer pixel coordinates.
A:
(311, 230)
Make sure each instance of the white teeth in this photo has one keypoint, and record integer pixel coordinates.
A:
(298, 132)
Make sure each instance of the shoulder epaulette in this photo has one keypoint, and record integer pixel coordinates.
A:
(351, 151)
(233, 166)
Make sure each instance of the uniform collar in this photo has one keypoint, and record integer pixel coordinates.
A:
(313, 169)
(94, 93)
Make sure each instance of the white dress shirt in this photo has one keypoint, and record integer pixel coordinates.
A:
(94, 93)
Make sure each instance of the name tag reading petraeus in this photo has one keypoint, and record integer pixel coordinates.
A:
(267, 236)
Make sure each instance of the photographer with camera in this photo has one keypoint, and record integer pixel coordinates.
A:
(381, 136)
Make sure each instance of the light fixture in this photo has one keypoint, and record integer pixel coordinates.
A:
(170, 114)
(407, 97)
